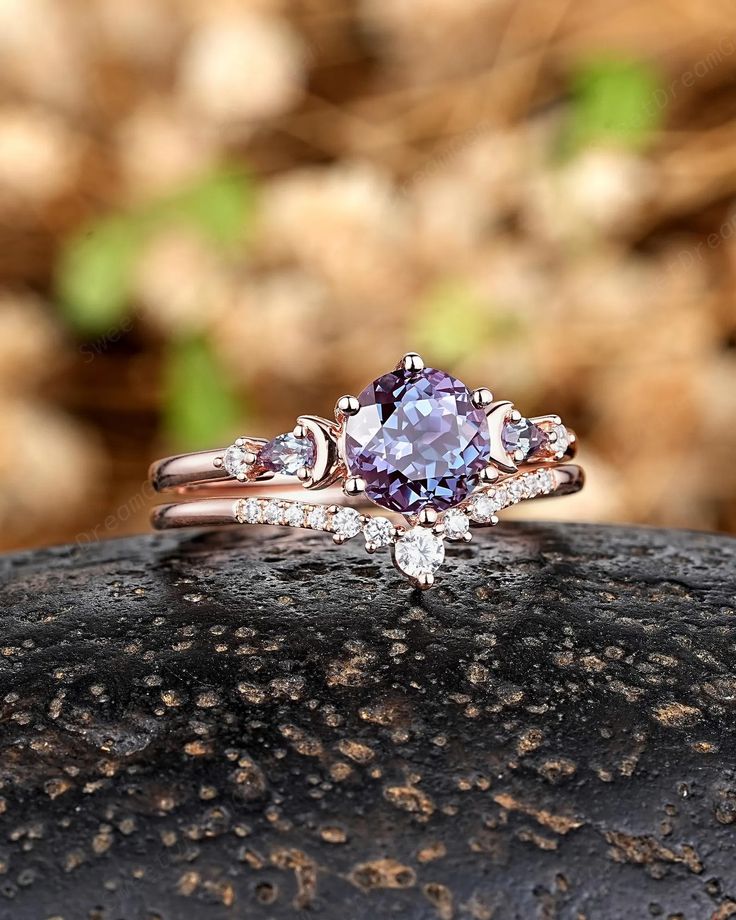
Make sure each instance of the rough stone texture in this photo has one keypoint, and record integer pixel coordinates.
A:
(237, 725)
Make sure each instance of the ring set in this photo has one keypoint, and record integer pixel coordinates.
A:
(436, 458)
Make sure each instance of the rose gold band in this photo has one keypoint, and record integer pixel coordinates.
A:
(219, 512)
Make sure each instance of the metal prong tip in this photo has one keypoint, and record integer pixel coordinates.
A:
(427, 517)
(494, 520)
(217, 463)
(467, 537)
(240, 442)
(302, 474)
(339, 538)
(488, 474)
(299, 431)
(348, 405)
(516, 416)
(249, 457)
(241, 477)
(412, 363)
(425, 580)
(519, 455)
(353, 486)
(481, 398)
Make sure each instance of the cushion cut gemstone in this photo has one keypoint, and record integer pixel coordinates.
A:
(417, 441)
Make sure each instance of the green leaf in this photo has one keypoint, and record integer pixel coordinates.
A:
(220, 206)
(613, 101)
(454, 320)
(94, 273)
(200, 407)
(94, 277)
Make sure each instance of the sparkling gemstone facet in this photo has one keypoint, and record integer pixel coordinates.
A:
(417, 441)
(457, 524)
(523, 436)
(287, 454)
(419, 552)
(234, 460)
(346, 523)
(317, 518)
(378, 531)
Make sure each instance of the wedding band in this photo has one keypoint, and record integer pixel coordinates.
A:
(437, 458)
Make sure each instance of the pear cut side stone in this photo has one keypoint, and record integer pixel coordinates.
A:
(287, 454)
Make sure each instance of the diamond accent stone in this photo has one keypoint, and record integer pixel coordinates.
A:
(295, 515)
(287, 454)
(457, 524)
(419, 552)
(234, 460)
(417, 441)
(559, 444)
(346, 523)
(249, 511)
(483, 506)
(516, 490)
(273, 513)
(378, 531)
(317, 518)
(522, 436)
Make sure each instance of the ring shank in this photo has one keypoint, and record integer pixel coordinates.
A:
(219, 512)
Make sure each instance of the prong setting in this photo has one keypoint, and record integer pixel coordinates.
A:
(481, 398)
(412, 363)
(347, 405)
(354, 486)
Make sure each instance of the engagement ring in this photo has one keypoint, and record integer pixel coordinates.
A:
(434, 458)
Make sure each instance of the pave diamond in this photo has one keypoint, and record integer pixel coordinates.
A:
(346, 523)
(417, 440)
(317, 518)
(419, 553)
(378, 531)
(516, 490)
(234, 460)
(523, 436)
(295, 515)
(249, 511)
(273, 514)
(457, 524)
(287, 454)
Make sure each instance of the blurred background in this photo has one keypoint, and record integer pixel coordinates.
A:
(214, 216)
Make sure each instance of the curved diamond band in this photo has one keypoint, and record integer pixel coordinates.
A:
(436, 459)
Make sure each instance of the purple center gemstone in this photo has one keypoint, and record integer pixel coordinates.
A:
(416, 441)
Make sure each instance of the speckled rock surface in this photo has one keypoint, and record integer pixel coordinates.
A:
(245, 726)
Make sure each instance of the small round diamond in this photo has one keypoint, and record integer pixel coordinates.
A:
(274, 513)
(234, 460)
(295, 515)
(317, 518)
(483, 507)
(378, 531)
(547, 481)
(516, 490)
(419, 553)
(457, 524)
(346, 523)
(249, 511)
(561, 441)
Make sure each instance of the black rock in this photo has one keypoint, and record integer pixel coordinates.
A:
(252, 726)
